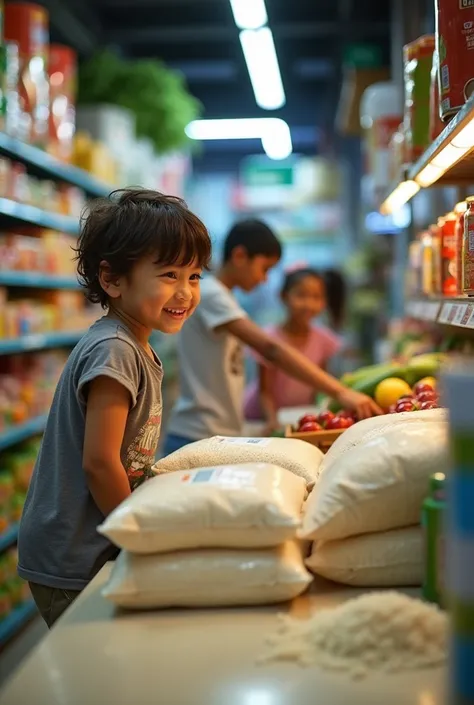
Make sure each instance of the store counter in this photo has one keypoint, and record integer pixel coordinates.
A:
(97, 656)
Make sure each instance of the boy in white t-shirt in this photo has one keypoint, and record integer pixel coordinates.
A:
(212, 379)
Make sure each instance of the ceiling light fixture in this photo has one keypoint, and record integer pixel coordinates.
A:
(273, 132)
(262, 64)
(249, 14)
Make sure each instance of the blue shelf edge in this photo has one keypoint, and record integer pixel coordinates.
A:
(35, 216)
(8, 538)
(23, 431)
(16, 620)
(37, 280)
(44, 162)
(39, 341)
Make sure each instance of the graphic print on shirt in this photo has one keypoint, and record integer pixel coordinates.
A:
(236, 359)
(141, 452)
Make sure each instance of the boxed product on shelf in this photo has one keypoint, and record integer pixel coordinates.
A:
(18, 185)
(46, 313)
(11, 119)
(27, 385)
(28, 25)
(62, 86)
(49, 253)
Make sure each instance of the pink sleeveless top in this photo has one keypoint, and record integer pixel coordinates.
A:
(322, 344)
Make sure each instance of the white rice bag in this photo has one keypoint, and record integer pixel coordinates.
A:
(378, 484)
(387, 559)
(236, 506)
(297, 456)
(208, 578)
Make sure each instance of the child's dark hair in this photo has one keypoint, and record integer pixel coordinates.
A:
(296, 276)
(336, 294)
(134, 223)
(255, 236)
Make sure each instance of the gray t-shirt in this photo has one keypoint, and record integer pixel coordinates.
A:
(58, 544)
(211, 368)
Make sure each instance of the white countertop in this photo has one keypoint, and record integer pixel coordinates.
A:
(95, 656)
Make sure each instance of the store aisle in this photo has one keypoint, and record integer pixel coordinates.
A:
(18, 649)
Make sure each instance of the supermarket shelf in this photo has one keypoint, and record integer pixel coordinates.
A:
(37, 280)
(23, 213)
(8, 538)
(457, 312)
(462, 172)
(16, 620)
(22, 432)
(45, 165)
(39, 341)
(458, 151)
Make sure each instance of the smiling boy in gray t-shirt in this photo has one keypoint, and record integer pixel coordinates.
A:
(140, 255)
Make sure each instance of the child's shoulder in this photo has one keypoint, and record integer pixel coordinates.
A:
(320, 334)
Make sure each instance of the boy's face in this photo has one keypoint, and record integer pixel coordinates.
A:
(251, 271)
(159, 297)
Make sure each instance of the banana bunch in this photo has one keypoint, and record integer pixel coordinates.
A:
(366, 379)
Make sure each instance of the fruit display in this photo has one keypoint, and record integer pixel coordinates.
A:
(13, 590)
(367, 379)
(325, 421)
(16, 467)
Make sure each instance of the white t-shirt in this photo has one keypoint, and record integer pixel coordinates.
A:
(211, 369)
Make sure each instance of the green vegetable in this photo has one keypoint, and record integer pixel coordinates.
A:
(156, 95)
(367, 383)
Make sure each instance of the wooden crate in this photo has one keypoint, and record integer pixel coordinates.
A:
(321, 439)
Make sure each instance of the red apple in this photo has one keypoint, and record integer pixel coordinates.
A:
(337, 423)
(308, 418)
(422, 387)
(406, 397)
(310, 427)
(429, 404)
(426, 396)
(325, 417)
(406, 405)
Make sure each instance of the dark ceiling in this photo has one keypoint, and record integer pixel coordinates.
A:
(199, 37)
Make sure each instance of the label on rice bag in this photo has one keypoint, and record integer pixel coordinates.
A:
(244, 441)
(230, 476)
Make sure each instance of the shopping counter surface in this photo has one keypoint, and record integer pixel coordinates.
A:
(98, 656)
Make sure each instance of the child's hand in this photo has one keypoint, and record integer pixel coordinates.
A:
(364, 406)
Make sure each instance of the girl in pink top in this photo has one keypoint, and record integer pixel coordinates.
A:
(304, 295)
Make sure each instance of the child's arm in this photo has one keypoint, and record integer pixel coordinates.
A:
(108, 404)
(266, 396)
(298, 366)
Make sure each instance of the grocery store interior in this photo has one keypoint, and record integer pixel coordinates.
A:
(346, 131)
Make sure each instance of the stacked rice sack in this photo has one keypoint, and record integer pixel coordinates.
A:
(364, 513)
(216, 527)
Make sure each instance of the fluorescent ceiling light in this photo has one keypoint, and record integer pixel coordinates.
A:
(274, 133)
(400, 196)
(249, 14)
(262, 64)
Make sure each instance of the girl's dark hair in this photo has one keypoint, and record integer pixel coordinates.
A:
(135, 223)
(255, 236)
(336, 294)
(293, 278)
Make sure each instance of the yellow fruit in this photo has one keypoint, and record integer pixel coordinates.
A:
(389, 391)
(428, 380)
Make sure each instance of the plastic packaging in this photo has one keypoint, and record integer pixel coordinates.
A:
(467, 261)
(237, 506)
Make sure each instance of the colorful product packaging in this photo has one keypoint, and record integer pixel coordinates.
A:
(27, 25)
(467, 259)
(447, 226)
(62, 115)
(460, 210)
(418, 62)
(436, 124)
(455, 47)
(457, 383)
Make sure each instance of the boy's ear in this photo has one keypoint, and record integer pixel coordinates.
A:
(240, 255)
(109, 282)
